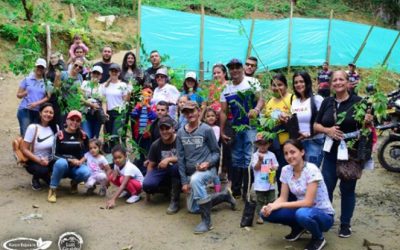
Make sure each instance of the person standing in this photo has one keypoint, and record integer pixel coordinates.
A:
(250, 67)
(324, 79)
(354, 78)
(150, 73)
(198, 157)
(105, 63)
(251, 104)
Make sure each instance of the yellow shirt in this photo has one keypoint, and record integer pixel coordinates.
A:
(274, 107)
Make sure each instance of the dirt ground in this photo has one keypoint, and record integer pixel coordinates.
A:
(146, 226)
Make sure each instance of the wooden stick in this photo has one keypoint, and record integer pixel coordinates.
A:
(249, 45)
(363, 45)
(48, 42)
(139, 23)
(328, 45)
(391, 49)
(202, 44)
(290, 35)
(72, 11)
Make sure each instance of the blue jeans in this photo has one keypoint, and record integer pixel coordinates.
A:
(313, 220)
(159, 177)
(198, 189)
(26, 117)
(62, 170)
(347, 188)
(313, 148)
(91, 127)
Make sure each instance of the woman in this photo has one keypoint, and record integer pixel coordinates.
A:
(312, 211)
(94, 115)
(191, 88)
(306, 106)
(68, 88)
(71, 145)
(165, 92)
(220, 77)
(130, 71)
(326, 123)
(278, 109)
(37, 146)
(33, 92)
(115, 93)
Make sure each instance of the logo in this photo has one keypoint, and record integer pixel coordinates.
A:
(41, 140)
(70, 241)
(26, 244)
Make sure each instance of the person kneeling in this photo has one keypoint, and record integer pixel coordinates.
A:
(198, 155)
(313, 210)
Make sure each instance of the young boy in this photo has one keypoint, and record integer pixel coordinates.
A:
(264, 164)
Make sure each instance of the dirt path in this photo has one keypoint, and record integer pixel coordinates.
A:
(146, 226)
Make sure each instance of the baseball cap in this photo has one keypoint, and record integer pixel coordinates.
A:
(192, 75)
(115, 66)
(166, 121)
(162, 71)
(97, 68)
(351, 64)
(41, 62)
(191, 105)
(73, 113)
(234, 61)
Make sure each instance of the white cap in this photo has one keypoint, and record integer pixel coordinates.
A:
(41, 62)
(162, 71)
(98, 69)
(192, 75)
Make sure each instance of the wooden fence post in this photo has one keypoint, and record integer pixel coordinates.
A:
(48, 42)
(328, 45)
(290, 35)
(363, 45)
(391, 49)
(139, 31)
(202, 44)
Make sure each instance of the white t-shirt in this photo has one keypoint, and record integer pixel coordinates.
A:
(217, 131)
(168, 93)
(303, 111)
(247, 83)
(261, 181)
(88, 91)
(43, 142)
(114, 94)
(130, 170)
(95, 163)
(298, 187)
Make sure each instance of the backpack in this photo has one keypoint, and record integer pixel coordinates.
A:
(17, 149)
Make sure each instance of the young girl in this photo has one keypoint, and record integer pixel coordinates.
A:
(77, 42)
(210, 117)
(312, 211)
(98, 164)
(181, 118)
(126, 176)
(264, 164)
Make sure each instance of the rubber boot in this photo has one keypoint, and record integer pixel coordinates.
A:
(205, 224)
(175, 197)
(224, 196)
(52, 198)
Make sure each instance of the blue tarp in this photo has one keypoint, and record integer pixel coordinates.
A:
(177, 34)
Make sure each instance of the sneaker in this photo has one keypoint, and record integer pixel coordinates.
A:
(260, 220)
(133, 199)
(294, 234)
(344, 231)
(123, 194)
(90, 191)
(103, 191)
(74, 187)
(36, 184)
(315, 244)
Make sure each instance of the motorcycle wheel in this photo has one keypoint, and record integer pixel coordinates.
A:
(389, 154)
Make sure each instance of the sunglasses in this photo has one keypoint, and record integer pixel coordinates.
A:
(251, 65)
(78, 66)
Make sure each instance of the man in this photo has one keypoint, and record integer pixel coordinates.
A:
(162, 108)
(354, 77)
(162, 168)
(250, 66)
(324, 79)
(105, 63)
(244, 109)
(198, 156)
(150, 73)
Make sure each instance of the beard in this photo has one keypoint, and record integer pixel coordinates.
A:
(107, 60)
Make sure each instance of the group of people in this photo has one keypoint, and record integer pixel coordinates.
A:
(187, 140)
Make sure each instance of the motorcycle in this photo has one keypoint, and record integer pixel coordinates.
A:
(389, 149)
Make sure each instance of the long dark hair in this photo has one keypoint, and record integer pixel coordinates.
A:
(52, 123)
(281, 77)
(223, 68)
(297, 144)
(125, 66)
(186, 89)
(307, 82)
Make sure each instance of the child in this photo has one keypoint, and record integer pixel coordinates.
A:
(97, 164)
(264, 164)
(77, 42)
(210, 117)
(181, 118)
(126, 176)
